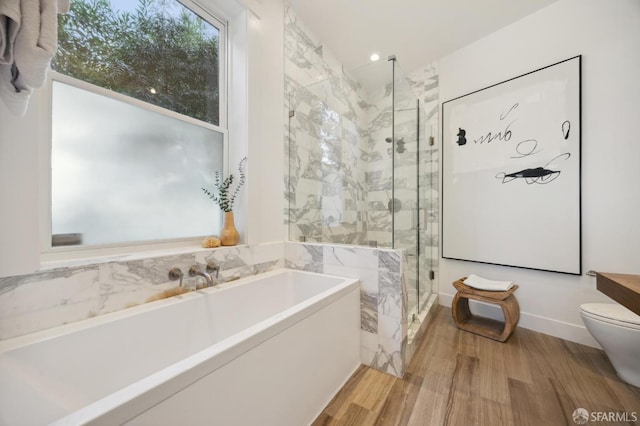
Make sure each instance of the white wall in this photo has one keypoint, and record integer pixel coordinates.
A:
(607, 34)
(257, 130)
(19, 241)
(266, 130)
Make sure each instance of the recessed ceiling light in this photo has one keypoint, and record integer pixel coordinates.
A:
(374, 57)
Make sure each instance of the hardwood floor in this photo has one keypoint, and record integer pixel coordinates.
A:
(459, 378)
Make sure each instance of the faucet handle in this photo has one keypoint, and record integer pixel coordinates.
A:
(212, 267)
(193, 271)
(175, 274)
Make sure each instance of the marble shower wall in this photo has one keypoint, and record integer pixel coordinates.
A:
(47, 299)
(383, 296)
(415, 169)
(338, 173)
(324, 168)
(399, 121)
(379, 185)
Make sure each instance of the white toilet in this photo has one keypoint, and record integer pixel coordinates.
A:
(617, 329)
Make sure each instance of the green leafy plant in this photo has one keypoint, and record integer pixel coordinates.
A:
(223, 188)
(159, 45)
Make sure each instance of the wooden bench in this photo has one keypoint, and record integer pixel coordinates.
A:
(486, 327)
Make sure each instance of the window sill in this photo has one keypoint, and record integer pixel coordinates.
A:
(51, 261)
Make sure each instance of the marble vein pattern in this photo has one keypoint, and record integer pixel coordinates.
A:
(388, 361)
(369, 312)
(42, 300)
(368, 347)
(324, 175)
(382, 294)
(306, 257)
(338, 176)
(47, 299)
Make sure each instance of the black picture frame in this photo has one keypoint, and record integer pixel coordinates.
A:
(511, 192)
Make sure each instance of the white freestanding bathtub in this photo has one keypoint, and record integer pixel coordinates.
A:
(271, 349)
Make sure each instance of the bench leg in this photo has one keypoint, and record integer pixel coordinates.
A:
(460, 309)
(511, 311)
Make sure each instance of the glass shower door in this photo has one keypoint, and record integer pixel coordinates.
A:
(406, 205)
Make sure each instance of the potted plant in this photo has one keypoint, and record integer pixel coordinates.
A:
(224, 196)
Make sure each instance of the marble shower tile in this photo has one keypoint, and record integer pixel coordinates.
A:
(307, 257)
(368, 278)
(389, 260)
(389, 282)
(351, 257)
(390, 328)
(388, 358)
(368, 347)
(380, 221)
(391, 305)
(353, 142)
(369, 312)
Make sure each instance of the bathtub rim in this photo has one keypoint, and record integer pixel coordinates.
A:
(127, 402)
(61, 330)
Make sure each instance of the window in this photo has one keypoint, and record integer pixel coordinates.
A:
(137, 122)
(157, 51)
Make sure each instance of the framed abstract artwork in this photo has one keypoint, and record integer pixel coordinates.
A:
(511, 172)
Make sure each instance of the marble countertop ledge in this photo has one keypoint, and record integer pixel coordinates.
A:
(351, 246)
(147, 253)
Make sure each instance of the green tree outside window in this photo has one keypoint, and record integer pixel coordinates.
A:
(160, 52)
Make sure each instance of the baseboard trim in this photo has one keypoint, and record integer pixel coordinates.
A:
(564, 330)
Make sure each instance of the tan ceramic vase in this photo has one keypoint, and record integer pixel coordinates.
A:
(229, 234)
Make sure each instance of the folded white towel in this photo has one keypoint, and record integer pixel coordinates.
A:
(485, 284)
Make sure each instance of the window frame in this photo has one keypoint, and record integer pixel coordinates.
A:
(50, 255)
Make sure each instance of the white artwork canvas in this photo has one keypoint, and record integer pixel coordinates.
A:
(511, 172)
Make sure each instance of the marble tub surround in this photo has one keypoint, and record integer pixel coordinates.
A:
(383, 296)
(46, 299)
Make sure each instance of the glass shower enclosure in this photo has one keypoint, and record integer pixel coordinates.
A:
(360, 170)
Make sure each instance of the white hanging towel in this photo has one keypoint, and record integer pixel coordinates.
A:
(485, 284)
(29, 32)
(9, 25)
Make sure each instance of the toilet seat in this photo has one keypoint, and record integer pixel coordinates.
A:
(611, 313)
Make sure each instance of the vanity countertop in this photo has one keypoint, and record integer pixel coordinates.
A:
(623, 288)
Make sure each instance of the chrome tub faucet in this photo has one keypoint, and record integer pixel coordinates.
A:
(197, 270)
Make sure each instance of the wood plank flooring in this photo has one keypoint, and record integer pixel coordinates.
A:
(459, 378)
